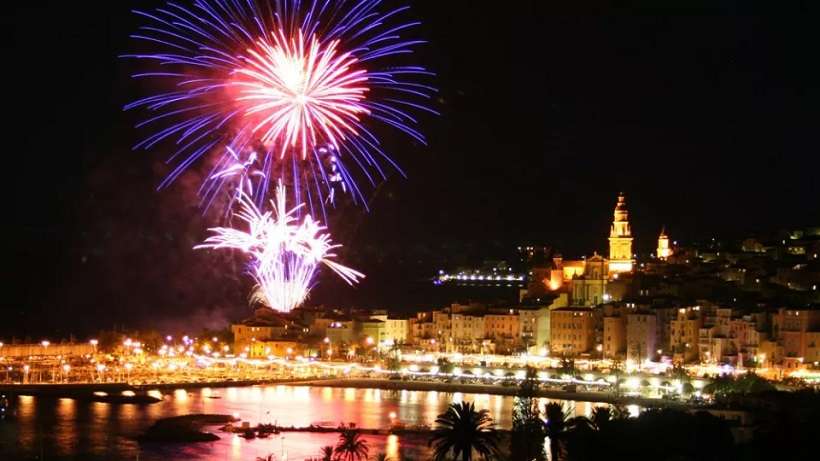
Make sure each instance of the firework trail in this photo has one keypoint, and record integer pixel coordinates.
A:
(285, 251)
(279, 89)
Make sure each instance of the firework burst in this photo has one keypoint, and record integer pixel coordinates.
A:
(285, 251)
(286, 89)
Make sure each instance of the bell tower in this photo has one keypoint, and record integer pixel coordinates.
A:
(664, 251)
(620, 240)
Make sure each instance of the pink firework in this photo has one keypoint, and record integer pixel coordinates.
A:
(302, 92)
(291, 90)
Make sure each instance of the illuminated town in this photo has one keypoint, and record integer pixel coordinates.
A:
(584, 328)
(391, 230)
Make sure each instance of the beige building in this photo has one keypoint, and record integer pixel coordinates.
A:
(342, 332)
(421, 328)
(590, 289)
(442, 325)
(684, 334)
(713, 336)
(504, 330)
(572, 331)
(641, 336)
(543, 331)
(372, 332)
(245, 334)
(275, 348)
(466, 332)
(396, 330)
(614, 337)
(798, 332)
(528, 325)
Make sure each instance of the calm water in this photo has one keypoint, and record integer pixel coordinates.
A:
(61, 429)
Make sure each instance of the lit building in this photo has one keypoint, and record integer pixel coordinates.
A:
(542, 321)
(590, 289)
(372, 330)
(664, 250)
(641, 336)
(714, 342)
(614, 337)
(798, 332)
(570, 268)
(685, 334)
(442, 325)
(467, 332)
(396, 330)
(528, 325)
(504, 329)
(276, 348)
(265, 325)
(421, 329)
(342, 332)
(572, 331)
(620, 240)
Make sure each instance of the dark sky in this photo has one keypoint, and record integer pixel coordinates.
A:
(706, 118)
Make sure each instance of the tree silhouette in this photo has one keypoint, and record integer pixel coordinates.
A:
(461, 430)
(351, 446)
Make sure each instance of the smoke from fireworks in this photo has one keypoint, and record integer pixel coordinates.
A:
(279, 89)
(285, 251)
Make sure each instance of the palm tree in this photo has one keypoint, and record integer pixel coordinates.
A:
(327, 453)
(527, 435)
(555, 426)
(461, 430)
(601, 416)
(351, 446)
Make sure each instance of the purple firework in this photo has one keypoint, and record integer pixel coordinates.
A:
(280, 89)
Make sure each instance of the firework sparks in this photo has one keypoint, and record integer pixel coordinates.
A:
(304, 94)
(285, 251)
(283, 89)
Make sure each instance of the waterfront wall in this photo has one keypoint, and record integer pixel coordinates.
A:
(52, 350)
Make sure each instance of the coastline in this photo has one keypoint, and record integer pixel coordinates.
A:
(91, 390)
(88, 390)
(512, 391)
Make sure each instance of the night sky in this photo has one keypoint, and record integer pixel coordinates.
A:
(706, 118)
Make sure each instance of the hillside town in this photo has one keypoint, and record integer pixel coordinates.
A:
(749, 306)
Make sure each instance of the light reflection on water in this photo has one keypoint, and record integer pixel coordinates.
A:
(69, 429)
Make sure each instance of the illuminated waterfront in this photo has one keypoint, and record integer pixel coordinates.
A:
(69, 429)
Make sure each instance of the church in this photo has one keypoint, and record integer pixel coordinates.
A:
(597, 284)
(597, 279)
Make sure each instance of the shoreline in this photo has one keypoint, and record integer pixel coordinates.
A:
(512, 391)
(88, 390)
